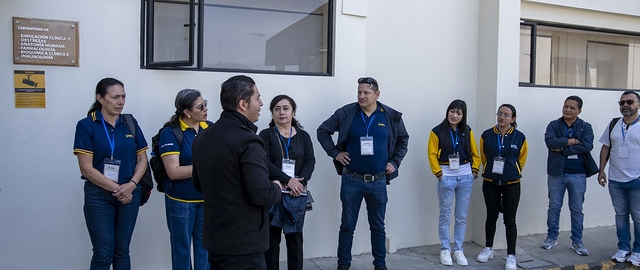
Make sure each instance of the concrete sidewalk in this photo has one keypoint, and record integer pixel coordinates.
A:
(601, 243)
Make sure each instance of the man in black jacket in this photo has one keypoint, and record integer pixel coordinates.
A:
(229, 168)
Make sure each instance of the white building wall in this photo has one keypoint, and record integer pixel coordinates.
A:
(424, 54)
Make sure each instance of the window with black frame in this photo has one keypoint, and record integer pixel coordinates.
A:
(575, 57)
(267, 36)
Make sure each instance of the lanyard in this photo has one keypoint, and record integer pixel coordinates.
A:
(624, 134)
(500, 144)
(569, 131)
(365, 122)
(286, 146)
(112, 141)
(454, 140)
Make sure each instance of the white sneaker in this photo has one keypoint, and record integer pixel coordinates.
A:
(511, 263)
(634, 259)
(460, 258)
(445, 257)
(620, 256)
(485, 254)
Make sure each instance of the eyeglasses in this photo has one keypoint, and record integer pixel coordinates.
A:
(503, 115)
(202, 105)
(628, 101)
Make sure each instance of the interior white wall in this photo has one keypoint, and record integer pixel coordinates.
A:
(424, 54)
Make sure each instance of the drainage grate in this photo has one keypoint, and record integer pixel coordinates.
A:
(530, 262)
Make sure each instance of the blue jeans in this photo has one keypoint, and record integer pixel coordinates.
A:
(625, 198)
(110, 225)
(576, 186)
(352, 191)
(448, 186)
(184, 220)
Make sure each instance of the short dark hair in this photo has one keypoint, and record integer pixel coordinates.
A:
(576, 99)
(370, 81)
(234, 89)
(628, 92)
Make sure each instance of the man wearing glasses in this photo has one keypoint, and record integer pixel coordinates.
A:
(372, 141)
(569, 140)
(621, 144)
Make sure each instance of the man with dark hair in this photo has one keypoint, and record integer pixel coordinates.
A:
(372, 142)
(229, 168)
(569, 140)
(620, 144)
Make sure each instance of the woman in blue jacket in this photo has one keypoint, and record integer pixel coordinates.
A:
(184, 205)
(503, 152)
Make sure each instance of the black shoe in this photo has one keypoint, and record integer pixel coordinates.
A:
(343, 267)
(380, 268)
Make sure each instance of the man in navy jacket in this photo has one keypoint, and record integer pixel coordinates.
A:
(229, 168)
(372, 141)
(569, 140)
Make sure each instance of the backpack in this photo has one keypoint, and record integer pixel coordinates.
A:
(611, 125)
(146, 183)
(157, 166)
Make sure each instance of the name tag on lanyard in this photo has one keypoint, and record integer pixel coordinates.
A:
(111, 169)
(498, 165)
(289, 167)
(366, 146)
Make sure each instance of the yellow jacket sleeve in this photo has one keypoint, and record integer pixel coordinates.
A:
(433, 151)
(475, 156)
(483, 157)
(524, 150)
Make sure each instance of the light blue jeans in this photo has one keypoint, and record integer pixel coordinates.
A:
(448, 187)
(625, 198)
(576, 186)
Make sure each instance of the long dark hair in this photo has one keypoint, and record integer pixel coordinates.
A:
(278, 98)
(513, 113)
(184, 100)
(101, 89)
(463, 129)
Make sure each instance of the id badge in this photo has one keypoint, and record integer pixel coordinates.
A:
(623, 151)
(289, 167)
(572, 157)
(498, 165)
(454, 162)
(366, 146)
(111, 169)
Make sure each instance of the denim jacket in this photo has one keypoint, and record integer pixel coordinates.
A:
(556, 138)
(340, 121)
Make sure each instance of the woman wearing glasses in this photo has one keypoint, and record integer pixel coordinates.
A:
(291, 161)
(503, 152)
(454, 159)
(184, 204)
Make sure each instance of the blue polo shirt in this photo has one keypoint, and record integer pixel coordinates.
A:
(180, 189)
(379, 130)
(91, 139)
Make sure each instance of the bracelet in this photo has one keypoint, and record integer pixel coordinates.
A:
(134, 182)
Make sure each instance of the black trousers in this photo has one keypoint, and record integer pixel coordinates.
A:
(254, 261)
(294, 249)
(503, 199)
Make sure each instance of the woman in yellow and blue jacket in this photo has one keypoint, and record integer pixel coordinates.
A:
(504, 152)
(454, 160)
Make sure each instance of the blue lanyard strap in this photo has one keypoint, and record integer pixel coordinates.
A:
(112, 140)
(569, 130)
(365, 122)
(500, 144)
(624, 135)
(454, 140)
(286, 146)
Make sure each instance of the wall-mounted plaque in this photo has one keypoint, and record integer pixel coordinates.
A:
(45, 42)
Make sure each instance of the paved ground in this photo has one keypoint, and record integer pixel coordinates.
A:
(601, 243)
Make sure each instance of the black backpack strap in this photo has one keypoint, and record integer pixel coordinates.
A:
(177, 131)
(128, 119)
(611, 125)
